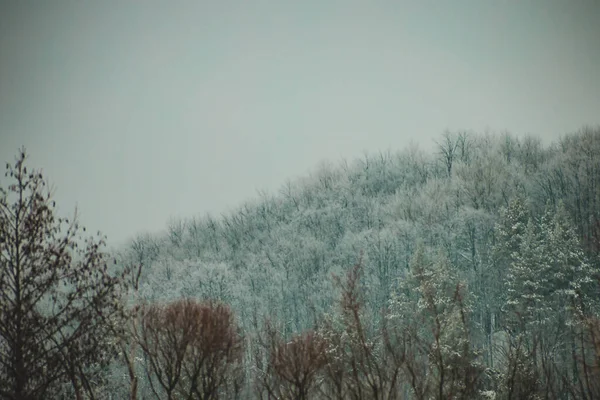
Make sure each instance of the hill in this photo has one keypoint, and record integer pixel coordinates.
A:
(514, 223)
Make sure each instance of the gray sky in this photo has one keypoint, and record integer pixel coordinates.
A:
(142, 110)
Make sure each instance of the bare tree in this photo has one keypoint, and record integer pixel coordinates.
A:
(447, 149)
(294, 365)
(192, 349)
(144, 249)
(176, 228)
(358, 365)
(59, 305)
(455, 147)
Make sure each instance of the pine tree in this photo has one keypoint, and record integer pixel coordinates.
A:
(509, 233)
(527, 281)
(571, 273)
(548, 271)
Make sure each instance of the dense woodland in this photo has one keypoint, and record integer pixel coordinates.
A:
(468, 272)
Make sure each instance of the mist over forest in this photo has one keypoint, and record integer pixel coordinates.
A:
(466, 272)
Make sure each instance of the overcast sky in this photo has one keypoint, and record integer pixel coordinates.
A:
(138, 111)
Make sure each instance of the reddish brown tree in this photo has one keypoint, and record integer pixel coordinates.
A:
(193, 349)
(57, 297)
(294, 365)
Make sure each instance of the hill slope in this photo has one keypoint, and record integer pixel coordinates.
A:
(482, 203)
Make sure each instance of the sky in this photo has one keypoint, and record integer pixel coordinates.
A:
(142, 111)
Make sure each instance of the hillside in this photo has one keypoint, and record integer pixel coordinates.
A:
(471, 272)
(482, 203)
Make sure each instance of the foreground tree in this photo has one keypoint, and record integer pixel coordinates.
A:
(293, 368)
(57, 297)
(359, 365)
(193, 350)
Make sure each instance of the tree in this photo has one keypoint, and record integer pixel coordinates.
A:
(528, 281)
(548, 269)
(193, 350)
(509, 233)
(293, 366)
(429, 323)
(57, 297)
(547, 276)
(454, 147)
(357, 364)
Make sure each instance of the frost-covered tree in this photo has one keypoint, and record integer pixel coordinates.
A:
(490, 202)
(509, 232)
(548, 269)
(527, 281)
(547, 277)
(429, 320)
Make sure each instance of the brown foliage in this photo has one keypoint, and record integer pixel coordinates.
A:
(59, 305)
(193, 349)
(295, 364)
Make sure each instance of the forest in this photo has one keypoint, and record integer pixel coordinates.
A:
(467, 272)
